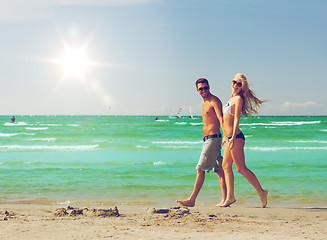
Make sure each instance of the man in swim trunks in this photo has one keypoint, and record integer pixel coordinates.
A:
(210, 157)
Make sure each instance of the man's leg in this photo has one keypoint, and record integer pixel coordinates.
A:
(190, 202)
(222, 183)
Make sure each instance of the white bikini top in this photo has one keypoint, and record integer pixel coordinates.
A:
(228, 108)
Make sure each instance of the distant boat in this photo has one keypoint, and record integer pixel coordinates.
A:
(179, 112)
(191, 114)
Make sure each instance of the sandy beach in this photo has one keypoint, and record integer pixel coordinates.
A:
(139, 222)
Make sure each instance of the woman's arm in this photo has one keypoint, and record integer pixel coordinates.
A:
(238, 103)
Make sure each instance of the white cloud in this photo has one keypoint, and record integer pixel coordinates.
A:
(293, 108)
(287, 106)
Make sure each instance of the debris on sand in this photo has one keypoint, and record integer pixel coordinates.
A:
(74, 212)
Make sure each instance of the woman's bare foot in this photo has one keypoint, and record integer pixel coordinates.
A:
(221, 203)
(228, 202)
(264, 198)
(186, 203)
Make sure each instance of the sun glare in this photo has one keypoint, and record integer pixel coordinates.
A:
(75, 62)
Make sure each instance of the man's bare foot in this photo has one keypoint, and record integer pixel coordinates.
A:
(264, 198)
(221, 203)
(228, 202)
(186, 203)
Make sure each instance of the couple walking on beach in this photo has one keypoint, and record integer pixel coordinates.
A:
(242, 102)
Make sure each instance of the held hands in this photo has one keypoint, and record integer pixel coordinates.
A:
(225, 140)
(230, 142)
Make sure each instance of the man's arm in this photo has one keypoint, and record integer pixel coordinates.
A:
(217, 105)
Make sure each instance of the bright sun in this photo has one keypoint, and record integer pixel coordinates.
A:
(75, 62)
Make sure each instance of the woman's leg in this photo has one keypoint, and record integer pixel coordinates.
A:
(237, 153)
(229, 177)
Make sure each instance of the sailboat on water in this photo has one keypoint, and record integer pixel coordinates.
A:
(179, 112)
(191, 114)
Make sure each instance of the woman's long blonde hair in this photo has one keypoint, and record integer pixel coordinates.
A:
(250, 102)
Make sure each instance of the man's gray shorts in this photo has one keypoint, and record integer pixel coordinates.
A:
(211, 155)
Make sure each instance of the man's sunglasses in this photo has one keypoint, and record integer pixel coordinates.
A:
(203, 88)
(239, 84)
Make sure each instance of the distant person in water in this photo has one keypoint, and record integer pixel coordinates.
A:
(243, 102)
(13, 119)
(210, 157)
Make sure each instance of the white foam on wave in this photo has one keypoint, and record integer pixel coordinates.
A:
(181, 123)
(72, 125)
(44, 139)
(64, 203)
(50, 125)
(195, 124)
(36, 128)
(159, 163)
(143, 147)
(162, 120)
(15, 124)
(8, 134)
(15, 134)
(281, 123)
(274, 149)
(54, 148)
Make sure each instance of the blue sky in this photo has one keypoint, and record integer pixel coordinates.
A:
(142, 57)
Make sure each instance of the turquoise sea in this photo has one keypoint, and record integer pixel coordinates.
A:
(136, 160)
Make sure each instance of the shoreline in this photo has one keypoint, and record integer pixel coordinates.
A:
(140, 222)
(252, 203)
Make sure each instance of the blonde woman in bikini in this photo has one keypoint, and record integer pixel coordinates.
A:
(243, 102)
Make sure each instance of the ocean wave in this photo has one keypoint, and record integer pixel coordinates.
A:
(15, 124)
(50, 125)
(36, 128)
(176, 142)
(8, 134)
(43, 139)
(54, 148)
(196, 124)
(72, 125)
(281, 123)
(274, 149)
(308, 141)
(177, 147)
(159, 163)
(143, 147)
(181, 123)
(15, 134)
